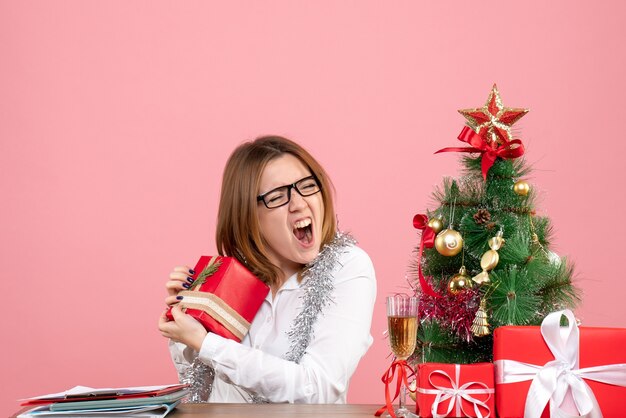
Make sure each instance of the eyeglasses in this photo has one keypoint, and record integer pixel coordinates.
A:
(280, 196)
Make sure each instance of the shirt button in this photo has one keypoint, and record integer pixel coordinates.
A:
(268, 319)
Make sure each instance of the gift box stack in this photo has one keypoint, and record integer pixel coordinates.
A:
(539, 372)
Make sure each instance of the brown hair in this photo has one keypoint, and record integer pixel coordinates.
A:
(238, 233)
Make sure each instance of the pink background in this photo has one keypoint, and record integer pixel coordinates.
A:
(116, 119)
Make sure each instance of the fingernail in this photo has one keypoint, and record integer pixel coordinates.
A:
(179, 297)
(189, 279)
(192, 271)
(186, 285)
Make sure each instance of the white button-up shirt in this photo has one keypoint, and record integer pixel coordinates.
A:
(341, 337)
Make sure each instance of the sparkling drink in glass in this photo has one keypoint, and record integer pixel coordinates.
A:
(402, 326)
(402, 335)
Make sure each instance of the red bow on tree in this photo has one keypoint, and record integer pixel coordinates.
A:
(489, 149)
(428, 241)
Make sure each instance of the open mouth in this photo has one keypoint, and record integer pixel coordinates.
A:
(303, 230)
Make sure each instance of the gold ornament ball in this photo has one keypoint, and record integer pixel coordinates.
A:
(435, 224)
(459, 282)
(521, 188)
(449, 242)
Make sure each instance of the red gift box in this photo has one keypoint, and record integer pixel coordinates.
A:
(588, 346)
(455, 390)
(227, 298)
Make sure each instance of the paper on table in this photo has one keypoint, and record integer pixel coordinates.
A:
(148, 411)
(87, 391)
(120, 402)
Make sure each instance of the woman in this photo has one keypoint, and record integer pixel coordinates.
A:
(276, 216)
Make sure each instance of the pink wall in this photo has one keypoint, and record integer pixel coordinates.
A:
(116, 119)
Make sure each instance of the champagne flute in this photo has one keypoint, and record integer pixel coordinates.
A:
(402, 326)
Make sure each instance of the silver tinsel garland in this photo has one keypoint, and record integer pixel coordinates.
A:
(318, 285)
(199, 376)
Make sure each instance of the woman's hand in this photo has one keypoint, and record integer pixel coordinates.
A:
(180, 279)
(183, 329)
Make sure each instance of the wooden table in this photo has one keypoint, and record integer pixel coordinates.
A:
(283, 410)
(273, 410)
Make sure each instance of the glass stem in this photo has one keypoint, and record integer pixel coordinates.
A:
(402, 397)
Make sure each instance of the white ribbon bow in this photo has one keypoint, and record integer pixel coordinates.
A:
(552, 382)
(455, 393)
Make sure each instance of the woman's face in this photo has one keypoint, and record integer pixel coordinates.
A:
(292, 231)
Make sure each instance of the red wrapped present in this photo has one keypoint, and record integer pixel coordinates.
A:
(224, 296)
(560, 371)
(455, 390)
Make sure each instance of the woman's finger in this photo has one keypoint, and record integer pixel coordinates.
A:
(184, 269)
(177, 275)
(171, 300)
(176, 285)
(163, 322)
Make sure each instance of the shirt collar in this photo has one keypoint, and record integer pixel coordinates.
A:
(291, 284)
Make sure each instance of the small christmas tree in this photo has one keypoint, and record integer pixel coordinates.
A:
(484, 259)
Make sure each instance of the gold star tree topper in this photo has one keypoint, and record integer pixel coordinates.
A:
(493, 118)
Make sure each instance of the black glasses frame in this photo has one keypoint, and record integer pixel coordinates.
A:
(261, 198)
